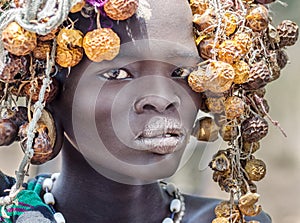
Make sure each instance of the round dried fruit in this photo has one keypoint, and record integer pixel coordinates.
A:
(68, 58)
(15, 70)
(247, 204)
(18, 115)
(254, 129)
(259, 76)
(8, 132)
(220, 76)
(258, 18)
(228, 132)
(41, 50)
(256, 169)
(242, 71)
(230, 23)
(288, 32)
(250, 147)
(206, 46)
(197, 80)
(234, 107)
(243, 41)
(199, 6)
(17, 40)
(220, 162)
(120, 9)
(101, 44)
(205, 130)
(229, 52)
(220, 220)
(206, 22)
(69, 38)
(78, 6)
(50, 36)
(215, 105)
(282, 58)
(227, 210)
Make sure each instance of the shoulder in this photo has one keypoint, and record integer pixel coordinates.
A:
(201, 210)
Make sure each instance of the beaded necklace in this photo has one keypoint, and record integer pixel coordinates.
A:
(177, 205)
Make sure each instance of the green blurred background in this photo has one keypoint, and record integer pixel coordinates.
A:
(280, 189)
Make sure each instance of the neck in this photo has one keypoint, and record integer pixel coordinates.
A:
(83, 195)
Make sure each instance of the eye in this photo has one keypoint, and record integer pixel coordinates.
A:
(181, 72)
(116, 74)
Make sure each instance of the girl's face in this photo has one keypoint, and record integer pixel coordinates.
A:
(131, 118)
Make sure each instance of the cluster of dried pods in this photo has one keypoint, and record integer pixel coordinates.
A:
(242, 53)
(26, 57)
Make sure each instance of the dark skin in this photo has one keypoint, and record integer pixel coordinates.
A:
(104, 178)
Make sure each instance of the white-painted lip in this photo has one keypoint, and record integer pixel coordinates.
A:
(160, 135)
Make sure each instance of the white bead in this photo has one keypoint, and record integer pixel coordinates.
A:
(167, 220)
(175, 205)
(55, 176)
(49, 198)
(47, 184)
(171, 188)
(59, 218)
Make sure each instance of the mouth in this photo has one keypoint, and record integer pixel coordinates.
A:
(161, 136)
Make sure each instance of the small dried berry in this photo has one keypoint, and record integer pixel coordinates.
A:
(220, 220)
(247, 204)
(69, 38)
(77, 7)
(206, 22)
(242, 72)
(199, 6)
(101, 44)
(230, 23)
(206, 46)
(256, 169)
(120, 9)
(50, 36)
(197, 80)
(18, 115)
(228, 132)
(17, 40)
(42, 50)
(68, 58)
(205, 130)
(250, 147)
(258, 18)
(282, 58)
(254, 129)
(215, 105)
(8, 132)
(227, 210)
(229, 52)
(243, 41)
(15, 69)
(288, 32)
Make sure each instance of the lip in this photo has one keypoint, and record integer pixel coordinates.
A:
(161, 135)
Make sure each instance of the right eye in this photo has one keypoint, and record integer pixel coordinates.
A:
(117, 74)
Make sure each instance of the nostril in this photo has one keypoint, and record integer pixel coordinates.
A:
(149, 107)
(171, 106)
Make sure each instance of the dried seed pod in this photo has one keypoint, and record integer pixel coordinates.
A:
(197, 80)
(250, 147)
(247, 204)
(16, 69)
(254, 129)
(8, 132)
(265, 1)
(69, 38)
(101, 44)
(68, 58)
(251, 186)
(282, 58)
(220, 162)
(256, 169)
(49, 94)
(206, 22)
(78, 6)
(18, 115)
(234, 107)
(258, 18)
(228, 184)
(259, 76)
(288, 32)
(220, 220)
(220, 76)
(229, 21)
(228, 52)
(243, 41)
(17, 40)
(206, 46)
(274, 67)
(227, 210)
(120, 9)
(199, 6)
(205, 130)
(228, 132)
(50, 36)
(41, 50)
(215, 105)
(242, 72)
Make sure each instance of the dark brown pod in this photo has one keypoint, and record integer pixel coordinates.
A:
(282, 58)
(15, 70)
(205, 130)
(8, 132)
(205, 48)
(18, 115)
(254, 129)
(259, 76)
(288, 32)
(264, 1)
(228, 132)
(256, 169)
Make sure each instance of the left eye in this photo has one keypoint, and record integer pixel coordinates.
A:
(117, 74)
(181, 72)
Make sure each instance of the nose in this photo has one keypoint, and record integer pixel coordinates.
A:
(156, 103)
